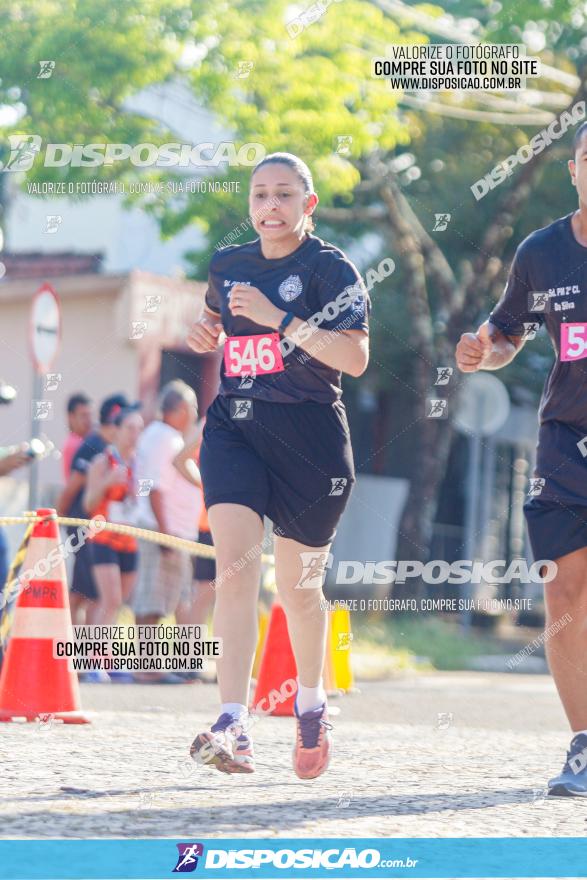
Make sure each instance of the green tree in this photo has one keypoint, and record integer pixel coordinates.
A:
(103, 52)
(303, 93)
(301, 88)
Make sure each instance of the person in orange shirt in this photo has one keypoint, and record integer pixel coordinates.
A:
(111, 491)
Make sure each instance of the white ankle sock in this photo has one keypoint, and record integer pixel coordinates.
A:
(237, 710)
(577, 732)
(309, 698)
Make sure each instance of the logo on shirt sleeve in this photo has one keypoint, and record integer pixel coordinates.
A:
(538, 301)
(356, 297)
(359, 305)
(290, 288)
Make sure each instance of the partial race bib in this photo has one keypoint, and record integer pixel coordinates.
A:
(573, 341)
(252, 355)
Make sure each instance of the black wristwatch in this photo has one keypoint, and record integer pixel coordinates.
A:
(286, 321)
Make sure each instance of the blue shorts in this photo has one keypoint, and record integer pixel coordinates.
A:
(204, 569)
(555, 529)
(82, 581)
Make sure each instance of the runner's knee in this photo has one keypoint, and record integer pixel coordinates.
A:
(300, 599)
(563, 593)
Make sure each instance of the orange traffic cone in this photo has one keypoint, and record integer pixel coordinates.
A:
(277, 680)
(33, 683)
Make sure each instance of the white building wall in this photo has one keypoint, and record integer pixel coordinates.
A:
(129, 239)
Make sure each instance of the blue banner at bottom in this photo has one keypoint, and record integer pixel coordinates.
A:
(380, 858)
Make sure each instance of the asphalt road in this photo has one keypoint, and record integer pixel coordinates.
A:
(442, 755)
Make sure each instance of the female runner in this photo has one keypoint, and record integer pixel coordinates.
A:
(276, 442)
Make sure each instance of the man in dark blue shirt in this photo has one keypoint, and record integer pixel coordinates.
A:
(548, 285)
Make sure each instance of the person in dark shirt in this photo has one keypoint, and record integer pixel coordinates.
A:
(83, 593)
(547, 286)
(10, 460)
(294, 311)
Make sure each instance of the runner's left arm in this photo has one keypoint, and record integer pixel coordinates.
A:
(337, 334)
(344, 350)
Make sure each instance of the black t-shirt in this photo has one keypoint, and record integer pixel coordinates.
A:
(91, 446)
(303, 282)
(547, 285)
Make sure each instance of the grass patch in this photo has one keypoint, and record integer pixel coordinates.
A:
(428, 641)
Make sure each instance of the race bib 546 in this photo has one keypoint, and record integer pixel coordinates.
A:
(573, 341)
(252, 355)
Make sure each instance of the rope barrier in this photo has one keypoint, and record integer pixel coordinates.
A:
(191, 547)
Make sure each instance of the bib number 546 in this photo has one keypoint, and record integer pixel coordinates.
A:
(573, 342)
(252, 355)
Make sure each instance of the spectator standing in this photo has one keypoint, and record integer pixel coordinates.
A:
(198, 609)
(169, 503)
(10, 460)
(111, 492)
(80, 421)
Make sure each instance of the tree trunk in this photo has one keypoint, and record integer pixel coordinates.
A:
(381, 431)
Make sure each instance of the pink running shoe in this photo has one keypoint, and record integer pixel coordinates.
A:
(226, 747)
(312, 750)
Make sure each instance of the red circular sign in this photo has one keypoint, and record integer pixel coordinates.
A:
(45, 328)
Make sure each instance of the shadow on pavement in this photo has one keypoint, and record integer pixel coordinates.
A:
(245, 818)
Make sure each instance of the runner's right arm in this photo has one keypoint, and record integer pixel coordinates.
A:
(487, 349)
(500, 338)
(205, 333)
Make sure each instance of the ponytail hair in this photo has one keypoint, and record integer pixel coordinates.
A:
(301, 169)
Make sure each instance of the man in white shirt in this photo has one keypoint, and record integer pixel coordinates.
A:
(168, 503)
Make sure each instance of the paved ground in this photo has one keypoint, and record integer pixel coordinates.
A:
(399, 770)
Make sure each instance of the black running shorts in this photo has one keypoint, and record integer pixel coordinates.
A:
(556, 511)
(204, 569)
(291, 462)
(103, 554)
(82, 581)
(555, 529)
